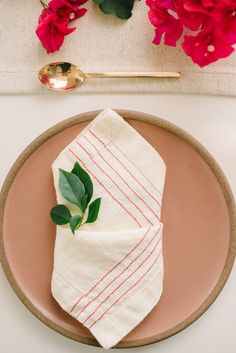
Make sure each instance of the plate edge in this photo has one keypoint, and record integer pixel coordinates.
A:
(170, 127)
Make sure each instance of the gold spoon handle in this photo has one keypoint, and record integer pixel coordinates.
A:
(132, 74)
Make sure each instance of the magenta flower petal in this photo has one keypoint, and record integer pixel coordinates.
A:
(206, 47)
(225, 14)
(67, 10)
(213, 21)
(165, 25)
(51, 32)
(53, 21)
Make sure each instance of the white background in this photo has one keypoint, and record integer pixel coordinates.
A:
(211, 119)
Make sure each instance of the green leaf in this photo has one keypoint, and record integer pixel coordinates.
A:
(72, 189)
(75, 221)
(93, 211)
(120, 8)
(60, 215)
(86, 180)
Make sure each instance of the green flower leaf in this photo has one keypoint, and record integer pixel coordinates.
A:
(60, 215)
(75, 221)
(93, 211)
(72, 189)
(86, 180)
(120, 8)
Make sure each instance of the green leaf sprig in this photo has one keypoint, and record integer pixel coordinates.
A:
(120, 8)
(77, 188)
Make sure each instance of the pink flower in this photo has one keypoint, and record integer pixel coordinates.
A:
(53, 22)
(207, 46)
(164, 23)
(67, 10)
(166, 4)
(191, 19)
(213, 21)
(225, 14)
(202, 6)
(51, 31)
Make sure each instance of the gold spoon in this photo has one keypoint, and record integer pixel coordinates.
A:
(63, 76)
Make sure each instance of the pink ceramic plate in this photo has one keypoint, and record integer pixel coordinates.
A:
(198, 216)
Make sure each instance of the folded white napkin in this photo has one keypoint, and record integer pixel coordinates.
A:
(109, 274)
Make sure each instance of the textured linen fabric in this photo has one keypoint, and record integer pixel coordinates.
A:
(102, 43)
(109, 275)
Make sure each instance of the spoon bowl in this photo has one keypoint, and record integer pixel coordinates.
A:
(64, 76)
(61, 76)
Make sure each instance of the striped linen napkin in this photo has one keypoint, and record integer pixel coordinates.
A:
(109, 275)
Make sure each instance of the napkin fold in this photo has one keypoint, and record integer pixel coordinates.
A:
(109, 275)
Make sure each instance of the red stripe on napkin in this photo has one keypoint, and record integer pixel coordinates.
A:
(130, 275)
(135, 193)
(113, 304)
(117, 276)
(99, 181)
(113, 268)
(112, 180)
(121, 163)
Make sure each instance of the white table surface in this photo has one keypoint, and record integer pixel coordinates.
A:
(212, 120)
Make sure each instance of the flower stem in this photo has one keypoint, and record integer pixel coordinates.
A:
(43, 4)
